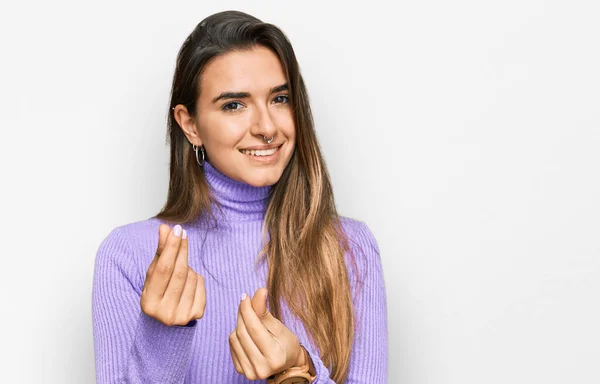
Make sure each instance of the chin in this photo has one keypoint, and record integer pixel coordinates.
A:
(262, 175)
(262, 181)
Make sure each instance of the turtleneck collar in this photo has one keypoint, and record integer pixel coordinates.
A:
(238, 201)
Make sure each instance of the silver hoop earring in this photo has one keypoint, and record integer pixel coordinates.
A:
(268, 141)
(197, 156)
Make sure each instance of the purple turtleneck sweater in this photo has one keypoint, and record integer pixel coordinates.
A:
(131, 347)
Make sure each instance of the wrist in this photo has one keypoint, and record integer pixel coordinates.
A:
(301, 358)
(304, 359)
(303, 369)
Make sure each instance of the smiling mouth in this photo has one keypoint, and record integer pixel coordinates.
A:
(260, 152)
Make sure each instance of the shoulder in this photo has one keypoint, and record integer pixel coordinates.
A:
(360, 236)
(127, 248)
(137, 230)
(363, 262)
(128, 241)
(123, 235)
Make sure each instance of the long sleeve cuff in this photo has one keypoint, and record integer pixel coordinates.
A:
(323, 373)
(161, 353)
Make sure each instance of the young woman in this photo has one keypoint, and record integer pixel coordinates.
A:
(248, 272)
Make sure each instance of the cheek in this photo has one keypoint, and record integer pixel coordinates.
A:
(224, 129)
(285, 122)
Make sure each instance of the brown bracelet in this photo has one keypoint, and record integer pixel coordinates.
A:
(294, 374)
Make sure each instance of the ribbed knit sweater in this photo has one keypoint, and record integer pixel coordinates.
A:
(131, 347)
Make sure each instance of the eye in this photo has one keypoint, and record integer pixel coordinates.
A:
(281, 99)
(232, 105)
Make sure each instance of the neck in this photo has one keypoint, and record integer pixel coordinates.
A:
(235, 200)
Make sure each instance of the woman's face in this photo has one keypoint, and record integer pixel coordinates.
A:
(243, 97)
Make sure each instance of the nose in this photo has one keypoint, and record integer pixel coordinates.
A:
(263, 124)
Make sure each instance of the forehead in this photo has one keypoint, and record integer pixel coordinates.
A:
(256, 71)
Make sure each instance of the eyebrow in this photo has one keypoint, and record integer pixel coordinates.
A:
(241, 95)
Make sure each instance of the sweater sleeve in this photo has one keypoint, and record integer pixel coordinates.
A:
(369, 356)
(129, 346)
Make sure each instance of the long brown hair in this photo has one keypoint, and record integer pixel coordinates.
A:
(305, 231)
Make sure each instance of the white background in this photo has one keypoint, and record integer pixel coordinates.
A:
(465, 133)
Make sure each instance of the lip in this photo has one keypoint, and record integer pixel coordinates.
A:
(265, 159)
(264, 146)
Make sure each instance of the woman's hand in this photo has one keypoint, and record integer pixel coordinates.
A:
(261, 345)
(173, 293)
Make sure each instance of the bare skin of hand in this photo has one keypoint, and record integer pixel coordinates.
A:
(261, 345)
(173, 293)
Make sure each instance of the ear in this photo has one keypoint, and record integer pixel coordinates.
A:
(187, 124)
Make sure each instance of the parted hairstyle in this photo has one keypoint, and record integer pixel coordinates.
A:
(305, 231)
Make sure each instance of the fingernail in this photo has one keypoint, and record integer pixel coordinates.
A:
(243, 296)
(177, 230)
(184, 236)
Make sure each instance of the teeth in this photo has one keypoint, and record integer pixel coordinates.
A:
(265, 152)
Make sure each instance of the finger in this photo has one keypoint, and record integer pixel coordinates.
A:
(187, 296)
(234, 343)
(150, 270)
(165, 265)
(199, 304)
(163, 232)
(250, 348)
(234, 358)
(180, 273)
(259, 304)
(257, 331)
(259, 301)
